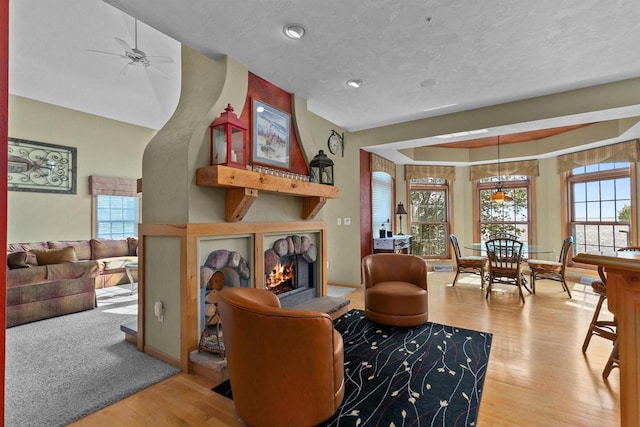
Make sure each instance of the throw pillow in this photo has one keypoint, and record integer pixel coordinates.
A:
(55, 256)
(17, 260)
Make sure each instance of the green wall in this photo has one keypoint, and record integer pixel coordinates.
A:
(104, 148)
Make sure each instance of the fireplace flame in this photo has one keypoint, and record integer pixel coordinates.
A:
(281, 274)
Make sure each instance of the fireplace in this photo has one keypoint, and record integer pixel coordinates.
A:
(290, 270)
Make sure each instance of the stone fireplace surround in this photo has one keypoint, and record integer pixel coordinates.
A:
(301, 254)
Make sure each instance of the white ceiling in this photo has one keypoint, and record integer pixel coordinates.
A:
(470, 54)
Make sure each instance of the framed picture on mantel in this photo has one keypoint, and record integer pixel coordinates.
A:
(270, 129)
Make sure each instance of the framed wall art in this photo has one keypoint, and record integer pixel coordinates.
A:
(270, 128)
(40, 167)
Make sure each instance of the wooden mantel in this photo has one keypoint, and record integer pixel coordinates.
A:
(242, 190)
(623, 293)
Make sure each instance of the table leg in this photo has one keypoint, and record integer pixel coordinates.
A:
(130, 276)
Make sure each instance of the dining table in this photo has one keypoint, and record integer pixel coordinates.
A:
(526, 251)
(526, 248)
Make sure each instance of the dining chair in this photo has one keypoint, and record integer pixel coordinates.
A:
(467, 264)
(505, 259)
(552, 270)
(503, 235)
(606, 329)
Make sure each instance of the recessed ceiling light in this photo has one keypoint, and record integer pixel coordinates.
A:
(428, 83)
(294, 31)
(354, 83)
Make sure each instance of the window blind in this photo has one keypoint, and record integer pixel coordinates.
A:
(381, 200)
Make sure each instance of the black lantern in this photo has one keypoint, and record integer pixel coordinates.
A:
(321, 169)
(229, 140)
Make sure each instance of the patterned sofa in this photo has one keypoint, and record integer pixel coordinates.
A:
(48, 279)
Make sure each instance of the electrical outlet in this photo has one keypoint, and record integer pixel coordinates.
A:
(339, 221)
(347, 221)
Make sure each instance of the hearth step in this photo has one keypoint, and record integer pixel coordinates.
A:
(130, 330)
(333, 306)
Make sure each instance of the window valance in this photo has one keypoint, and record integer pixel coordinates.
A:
(380, 164)
(425, 171)
(628, 151)
(105, 186)
(526, 167)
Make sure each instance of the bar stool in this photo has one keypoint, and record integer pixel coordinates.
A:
(602, 328)
(605, 329)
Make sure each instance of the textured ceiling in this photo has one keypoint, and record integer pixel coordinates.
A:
(417, 59)
(478, 53)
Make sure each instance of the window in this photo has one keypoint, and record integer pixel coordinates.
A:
(430, 226)
(511, 217)
(116, 216)
(600, 200)
(381, 201)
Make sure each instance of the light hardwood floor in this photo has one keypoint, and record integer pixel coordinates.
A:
(537, 374)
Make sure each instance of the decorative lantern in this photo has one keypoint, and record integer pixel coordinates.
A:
(229, 140)
(321, 169)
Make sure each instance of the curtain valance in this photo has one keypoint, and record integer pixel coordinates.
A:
(526, 167)
(380, 164)
(425, 171)
(628, 151)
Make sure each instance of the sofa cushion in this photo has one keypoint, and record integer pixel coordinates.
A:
(17, 260)
(55, 256)
(26, 247)
(82, 247)
(133, 246)
(25, 276)
(108, 248)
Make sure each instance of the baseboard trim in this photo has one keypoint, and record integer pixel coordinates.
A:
(162, 356)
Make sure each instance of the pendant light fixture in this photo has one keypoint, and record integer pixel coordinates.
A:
(499, 195)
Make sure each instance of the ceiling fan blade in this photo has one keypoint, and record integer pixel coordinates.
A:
(156, 58)
(158, 72)
(124, 44)
(123, 72)
(106, 53)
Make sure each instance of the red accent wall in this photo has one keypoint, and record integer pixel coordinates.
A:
(279, 99)
(4, 123)
(366, 239)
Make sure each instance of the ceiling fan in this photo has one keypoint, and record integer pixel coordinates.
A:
(136, 56)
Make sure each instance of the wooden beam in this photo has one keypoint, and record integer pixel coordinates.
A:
(228, 177)
(238, 202)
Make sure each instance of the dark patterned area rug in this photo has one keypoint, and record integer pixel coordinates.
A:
(422, 376)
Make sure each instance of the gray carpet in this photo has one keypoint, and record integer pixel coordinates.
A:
(59, 370)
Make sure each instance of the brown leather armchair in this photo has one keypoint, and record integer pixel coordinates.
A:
(395, 289)
(286, 366)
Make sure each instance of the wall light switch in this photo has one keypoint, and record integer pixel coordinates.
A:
(347, 221)
(339, 221)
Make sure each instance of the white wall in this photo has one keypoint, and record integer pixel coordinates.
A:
(104, 147)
